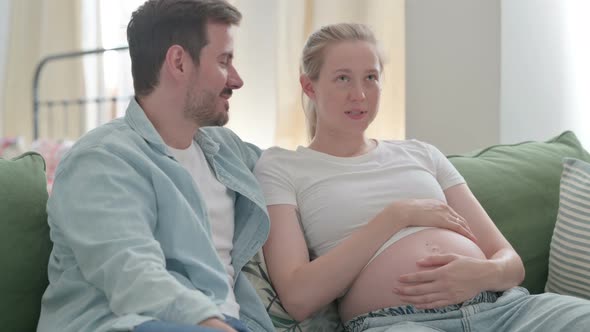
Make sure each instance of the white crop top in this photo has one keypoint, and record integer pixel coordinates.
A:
(334, 196)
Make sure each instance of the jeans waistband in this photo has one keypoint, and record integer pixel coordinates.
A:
(357, 323)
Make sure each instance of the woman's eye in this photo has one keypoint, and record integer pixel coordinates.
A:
(342, 78)
(372, 77)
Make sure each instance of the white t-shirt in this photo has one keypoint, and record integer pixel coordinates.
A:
(220, 209)
(335, 196)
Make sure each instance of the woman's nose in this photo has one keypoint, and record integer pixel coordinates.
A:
(357, 93)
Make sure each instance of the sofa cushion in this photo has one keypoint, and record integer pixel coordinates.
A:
(518, 186)
(24, 241)
(569, 255)
(326, 319)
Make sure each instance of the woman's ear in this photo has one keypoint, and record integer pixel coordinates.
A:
(307, 86)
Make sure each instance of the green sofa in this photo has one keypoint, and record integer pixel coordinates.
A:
(24, 241)
(518, 185)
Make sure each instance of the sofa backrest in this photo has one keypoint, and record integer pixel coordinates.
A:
(24, 241)
(518, 186)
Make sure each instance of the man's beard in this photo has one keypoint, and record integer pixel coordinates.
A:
(202, 109)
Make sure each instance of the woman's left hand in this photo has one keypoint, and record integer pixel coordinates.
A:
(453, 279)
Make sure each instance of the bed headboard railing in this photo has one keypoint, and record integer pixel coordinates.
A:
(67, 103)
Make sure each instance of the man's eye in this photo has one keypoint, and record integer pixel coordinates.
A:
(224, 61)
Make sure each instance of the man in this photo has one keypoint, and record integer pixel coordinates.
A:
(153, 216)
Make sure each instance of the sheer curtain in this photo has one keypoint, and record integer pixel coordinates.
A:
(39, 28)
(576, 30)
(4, 20)
(109, 74)
(545, 69)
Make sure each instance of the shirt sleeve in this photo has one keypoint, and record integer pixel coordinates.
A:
(446, 174)
(107, 211)
(271, 172)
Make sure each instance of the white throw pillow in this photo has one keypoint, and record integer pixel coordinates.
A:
(569, 255)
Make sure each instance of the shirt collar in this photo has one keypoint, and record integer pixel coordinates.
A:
(139, 122)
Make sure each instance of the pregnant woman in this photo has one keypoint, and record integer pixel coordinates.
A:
(387, 228)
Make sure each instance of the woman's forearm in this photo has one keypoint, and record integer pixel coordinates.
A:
(311, 285)
(507, 270)
(319, 282)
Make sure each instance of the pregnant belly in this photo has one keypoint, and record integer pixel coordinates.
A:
(373, 288)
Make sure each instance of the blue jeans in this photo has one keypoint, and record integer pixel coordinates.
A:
(514, 311)
(160, 326)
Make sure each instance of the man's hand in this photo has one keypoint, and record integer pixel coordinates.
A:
(454, 279)
(218, 324)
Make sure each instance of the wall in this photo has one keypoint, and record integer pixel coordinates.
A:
(545, 69)
(268, 47)
(453, 73)
(496, 71)
(257, 38)
(4, 26)
(478, 72)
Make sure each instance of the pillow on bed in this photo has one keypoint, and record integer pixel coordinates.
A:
(569, 256)
(11, 147)
(24, 241)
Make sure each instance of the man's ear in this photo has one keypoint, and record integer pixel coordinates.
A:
(176, 62)
(307, 86)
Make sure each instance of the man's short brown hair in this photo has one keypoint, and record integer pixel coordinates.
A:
(159, 24)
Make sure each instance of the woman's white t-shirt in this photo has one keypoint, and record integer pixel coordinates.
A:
(334, 196)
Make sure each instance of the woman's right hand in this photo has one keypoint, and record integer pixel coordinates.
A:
(432, 213)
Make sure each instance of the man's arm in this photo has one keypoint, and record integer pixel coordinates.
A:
(107, 212)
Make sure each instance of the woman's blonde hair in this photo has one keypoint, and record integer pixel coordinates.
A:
(312, 58)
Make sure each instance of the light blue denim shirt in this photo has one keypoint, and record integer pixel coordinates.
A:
(132, 239)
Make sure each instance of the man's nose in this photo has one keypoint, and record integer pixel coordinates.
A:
(234, 81)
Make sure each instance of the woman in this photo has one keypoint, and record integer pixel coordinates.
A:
(388, 228)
